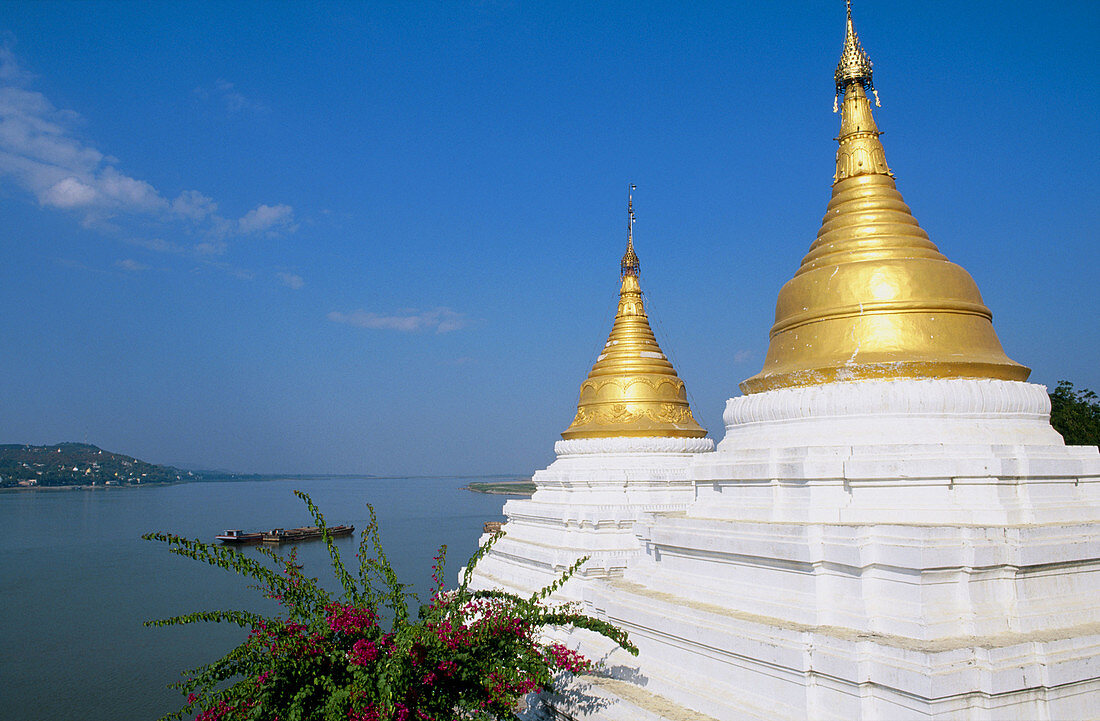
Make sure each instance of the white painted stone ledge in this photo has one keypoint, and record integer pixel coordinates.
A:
(912, 411)
(599, 446)
(906, 396)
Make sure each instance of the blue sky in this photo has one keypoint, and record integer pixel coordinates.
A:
(384, 238)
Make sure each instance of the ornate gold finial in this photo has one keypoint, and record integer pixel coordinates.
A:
(860, 151)
(632, 390)
(874, 297)
(854, 65)
(629, 264)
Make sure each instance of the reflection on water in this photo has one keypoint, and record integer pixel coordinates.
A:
(77, 580)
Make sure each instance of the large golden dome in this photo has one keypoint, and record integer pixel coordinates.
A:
(632, 390)
(874, 297)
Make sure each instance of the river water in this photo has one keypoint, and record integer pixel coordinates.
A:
(77, 581)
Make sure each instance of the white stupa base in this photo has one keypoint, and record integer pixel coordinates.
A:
(880, 550)
(891, 413)
(586, 504)
(731, 664)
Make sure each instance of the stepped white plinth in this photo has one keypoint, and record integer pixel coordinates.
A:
(903, 549)
(586, 504)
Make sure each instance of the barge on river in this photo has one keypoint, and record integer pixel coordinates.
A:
(283, 535)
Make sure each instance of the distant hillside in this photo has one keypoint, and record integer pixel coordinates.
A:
(79, 464)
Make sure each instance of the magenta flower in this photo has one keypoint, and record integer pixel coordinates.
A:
(350, 619)
(367, 713)
(363, 651)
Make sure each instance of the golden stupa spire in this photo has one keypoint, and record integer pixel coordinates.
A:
(874, 297)
(632, 390)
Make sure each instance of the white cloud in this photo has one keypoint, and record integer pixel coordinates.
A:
(741, 356)
(131, 265)
(194, 205)
(42, 153)
(211, 247)
(160, 245)
(9, 69)
(128, 193)
(68, 193)
(410, 320)
(292, 281)
(266, 217)
(234, 100)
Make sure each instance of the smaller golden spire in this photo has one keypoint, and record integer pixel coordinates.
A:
(854, 65)
(632, 390)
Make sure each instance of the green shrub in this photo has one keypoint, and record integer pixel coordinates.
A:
(1075, 414)
(467, 655)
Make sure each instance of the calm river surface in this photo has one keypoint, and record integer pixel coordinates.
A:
(77, 580)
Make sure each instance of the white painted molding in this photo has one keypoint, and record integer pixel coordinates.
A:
(903, 410)
(953, 396)
(598, 446)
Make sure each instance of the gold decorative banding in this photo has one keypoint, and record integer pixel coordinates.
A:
(871, 308)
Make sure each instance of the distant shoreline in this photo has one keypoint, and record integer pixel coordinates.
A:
(503, 488)
(88, 487)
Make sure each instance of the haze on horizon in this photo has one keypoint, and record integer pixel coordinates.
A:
(347, 239)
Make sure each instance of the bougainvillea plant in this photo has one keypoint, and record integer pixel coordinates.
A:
(361, 656)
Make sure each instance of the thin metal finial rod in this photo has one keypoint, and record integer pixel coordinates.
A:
(630, 214)
(630, 265)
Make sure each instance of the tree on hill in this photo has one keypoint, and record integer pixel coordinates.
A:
(1075, 414)
(78, 464)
